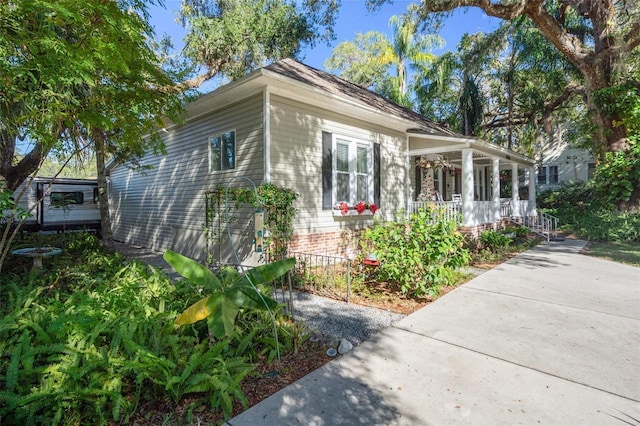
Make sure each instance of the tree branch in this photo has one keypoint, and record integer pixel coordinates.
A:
(632, 38)
(503, 11)
(504, 120)
(195, 82)
(552, 29)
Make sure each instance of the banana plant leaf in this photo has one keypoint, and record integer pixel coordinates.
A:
(223, 318)
(192, 270)
(247, 297)
(232, 291)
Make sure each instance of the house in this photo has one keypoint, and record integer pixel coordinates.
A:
(559, 162)
(323, 137)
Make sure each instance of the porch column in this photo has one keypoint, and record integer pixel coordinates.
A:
(467, 188)
(495, 189)
(532, 191)
(515, 193)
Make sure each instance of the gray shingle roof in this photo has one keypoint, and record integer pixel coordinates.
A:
(338, 86)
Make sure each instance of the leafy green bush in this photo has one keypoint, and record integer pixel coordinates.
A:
(582, 209)
(569, 202)
(93, 338)
(419, 255)
(521, 231)
(608, 226)
(493, 240)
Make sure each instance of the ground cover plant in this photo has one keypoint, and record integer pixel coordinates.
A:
(92, 339)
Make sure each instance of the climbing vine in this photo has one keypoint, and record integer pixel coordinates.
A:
(279, 215)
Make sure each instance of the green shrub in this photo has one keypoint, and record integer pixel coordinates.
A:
(569, 202)
(419, 255)
(582, 210)
(608, 226)
(493, 240)
(521, 232)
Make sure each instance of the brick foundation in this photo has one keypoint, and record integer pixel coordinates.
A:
(340, 243)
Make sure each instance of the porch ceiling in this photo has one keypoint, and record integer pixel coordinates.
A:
(451, 147)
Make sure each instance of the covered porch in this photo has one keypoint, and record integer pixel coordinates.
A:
(470, 181)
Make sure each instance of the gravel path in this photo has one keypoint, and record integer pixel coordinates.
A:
(335, 319)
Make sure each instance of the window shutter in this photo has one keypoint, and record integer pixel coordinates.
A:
(327, 170)
(376, 174)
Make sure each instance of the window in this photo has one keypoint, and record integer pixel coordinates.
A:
(542, 175)
(60, 199)
(353, 170)
(222, 152)
(350, 171)
(548, 175)
(553, 175)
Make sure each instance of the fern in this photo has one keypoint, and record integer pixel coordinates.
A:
(14, 365)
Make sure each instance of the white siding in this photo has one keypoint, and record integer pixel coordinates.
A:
(296, 162)
(164, 207)
(572, 163)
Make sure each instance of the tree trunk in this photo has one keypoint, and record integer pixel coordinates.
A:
(14, 175)
(105, 218)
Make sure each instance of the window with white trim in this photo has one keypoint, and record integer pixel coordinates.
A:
(222, 151)
(547, 175)
(553, 175)
(352, 170)
(542, 175)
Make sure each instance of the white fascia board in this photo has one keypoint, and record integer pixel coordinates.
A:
(477, 145)
(439, 150)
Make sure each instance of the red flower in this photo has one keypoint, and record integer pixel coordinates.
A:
(360, 207)
(373, 208)
(344, 208)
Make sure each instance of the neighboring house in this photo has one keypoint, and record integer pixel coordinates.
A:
(560, 163)
(323, 137)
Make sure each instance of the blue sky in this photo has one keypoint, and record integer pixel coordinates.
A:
(353, 18)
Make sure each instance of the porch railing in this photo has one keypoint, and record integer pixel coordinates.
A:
(509, 208)
(440, 210)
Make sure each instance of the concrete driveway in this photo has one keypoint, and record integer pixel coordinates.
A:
(549, 337)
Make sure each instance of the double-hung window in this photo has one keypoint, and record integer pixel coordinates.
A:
(352, 170)
(547, 175)
(542, 175)
(222, 151)
(553, 175)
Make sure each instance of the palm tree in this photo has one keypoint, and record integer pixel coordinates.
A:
(369, 58)
(407, 49)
